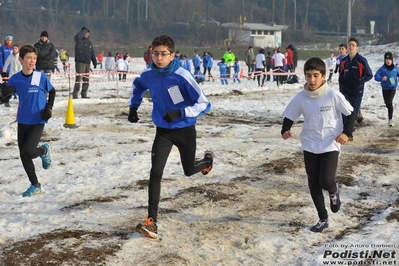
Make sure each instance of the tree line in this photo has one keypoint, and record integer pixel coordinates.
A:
(136, 22)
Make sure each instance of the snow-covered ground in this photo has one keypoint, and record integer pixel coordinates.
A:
(254, 208)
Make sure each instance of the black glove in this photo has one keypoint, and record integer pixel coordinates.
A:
(7, 90)
(335, 71)
(354, 84)
(95, 66)
(46, 113)
(172, 115)
(4, 99)
(133, 118)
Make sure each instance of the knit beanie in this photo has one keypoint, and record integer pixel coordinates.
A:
(388, 55)
(44, 34)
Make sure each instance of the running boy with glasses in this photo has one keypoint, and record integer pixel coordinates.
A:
(177, 103)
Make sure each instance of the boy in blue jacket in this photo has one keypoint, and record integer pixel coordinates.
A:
(388, 75)
(34, 110)
(199, 76)
(236, 75)
(177, 103)
(223, 71)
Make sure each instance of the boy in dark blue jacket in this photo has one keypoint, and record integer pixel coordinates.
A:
(177, 103)
(354, 71)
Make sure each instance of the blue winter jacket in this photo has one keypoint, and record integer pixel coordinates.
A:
(4, 54)
(353, 74)
(196, 61)
(210, 62)
(222, 68)
(392, 77)
(205, 59)
(171, 88)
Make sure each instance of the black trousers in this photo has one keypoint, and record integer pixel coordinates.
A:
(321, 169)
(185, 140)
(28, 139)
(388, 96)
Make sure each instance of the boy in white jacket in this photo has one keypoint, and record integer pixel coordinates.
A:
(13, 61)
(322, 135)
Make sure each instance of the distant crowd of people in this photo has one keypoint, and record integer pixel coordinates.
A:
(260, 65)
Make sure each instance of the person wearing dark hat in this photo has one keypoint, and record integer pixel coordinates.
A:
(388, 75)
(249, 58)
(45, 54)
(84, 55)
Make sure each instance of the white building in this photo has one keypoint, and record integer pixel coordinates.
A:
(255, 34)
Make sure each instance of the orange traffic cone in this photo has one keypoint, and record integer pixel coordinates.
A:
(241, 73)
(70, 116)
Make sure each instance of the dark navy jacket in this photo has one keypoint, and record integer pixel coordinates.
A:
(84, 51)
(353, 74)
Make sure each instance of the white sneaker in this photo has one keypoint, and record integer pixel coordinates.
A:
(390, 123)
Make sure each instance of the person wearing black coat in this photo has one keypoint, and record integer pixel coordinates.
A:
(45, 54)
(84, 54)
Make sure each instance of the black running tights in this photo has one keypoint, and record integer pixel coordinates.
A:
(28, 139)
(388, 98)
(185, 140)
(321, 169)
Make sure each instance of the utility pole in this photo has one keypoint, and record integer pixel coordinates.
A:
(349, 22)
(146, 10)
(294, 14)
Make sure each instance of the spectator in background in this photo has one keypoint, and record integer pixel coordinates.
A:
(110, 66)
(260, 67)
(46, 54)
(187, 65)
(100, 58)
(12, 61)
(205, 62)
(209, 66)
(330, 63)
(294, 57)
(199, 76)
(148, 56)
(64, 59)
(5, 50)
(196, 60)
(229, 58)
(290, 58)
(223, 72)
(84, 53)
(249, 58)
(14, 65)
(122, 67)
(56, 69)
(268, 65)
(236, 75)
(278, 59)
